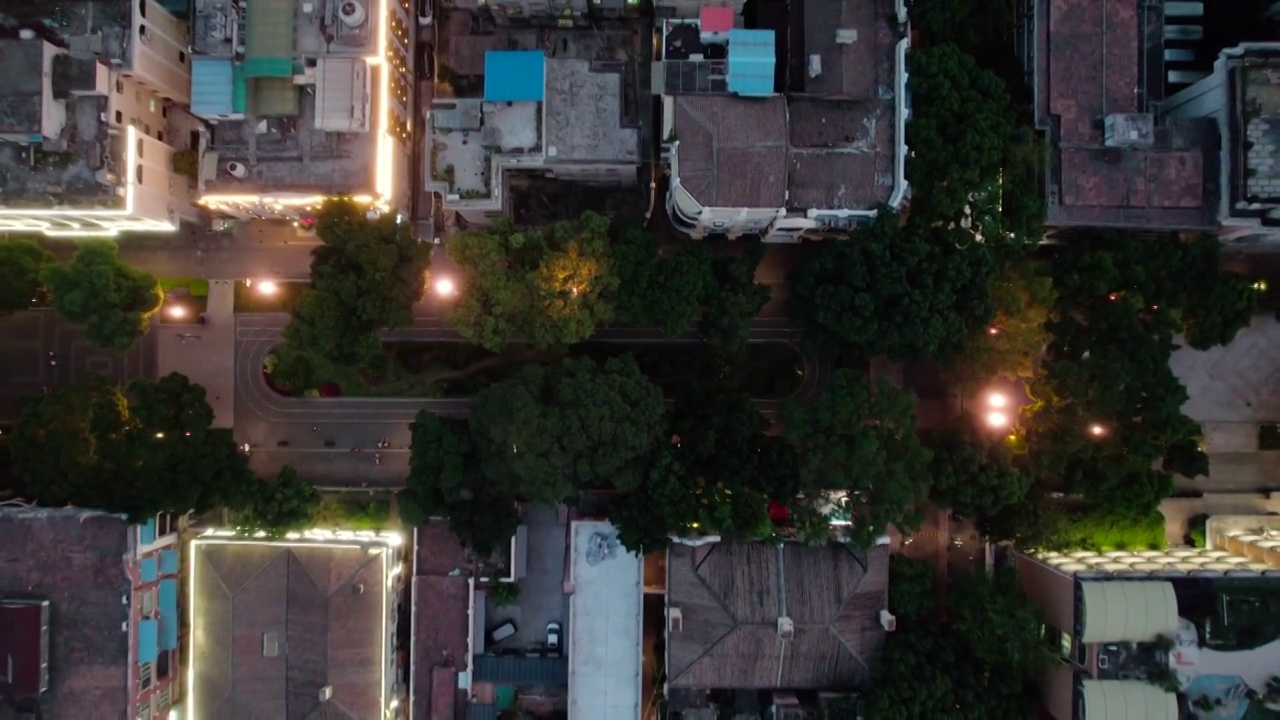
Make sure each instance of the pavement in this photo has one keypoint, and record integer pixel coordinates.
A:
(40, 350)
(542, 596)
(205, 353)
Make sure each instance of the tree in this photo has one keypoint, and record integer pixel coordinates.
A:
(277, 507)
(552, 430)
(858, 440)
(951, 160)
(974, 475)
(550, 286)
(367, 275)
(665, 292)
(914, 595)
(445, 480)
(111, 300)
(1023, 297)
(736, 300)
(139, 453)
(910, 291)
(21, 264)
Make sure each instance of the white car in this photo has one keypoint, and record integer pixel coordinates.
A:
(553, 636)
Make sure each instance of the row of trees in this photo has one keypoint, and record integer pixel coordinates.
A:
(113, 301)
(146, 449)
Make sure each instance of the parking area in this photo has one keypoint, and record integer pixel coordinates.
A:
(542, 597)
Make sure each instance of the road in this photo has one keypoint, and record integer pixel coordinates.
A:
(294, 431)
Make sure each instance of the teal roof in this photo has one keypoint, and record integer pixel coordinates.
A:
(268, 67)
(147, 569)
(168, 562)
(147, 532)
(239, 89)
(212, 87)
(269, 37)
(167, 605)
(148, 646)
(752, 54)
(515, 75)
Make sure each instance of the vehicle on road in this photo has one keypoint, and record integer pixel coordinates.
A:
(553, 636)
(502, 632)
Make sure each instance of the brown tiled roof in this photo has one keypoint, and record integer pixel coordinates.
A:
(868, 26)
(733, 150)
(76, 560)
(841, 154)
(730, 597)
(323, 604)
(1094, 52)
(441, 622)
(466, 52)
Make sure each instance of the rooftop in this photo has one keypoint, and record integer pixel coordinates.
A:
(731, 597)
(847, 38)
(88, 27)
(441, 622)
(604, 625)
(21, 85)
(282, 28)
(733, 151)
(1259, 85)
(75, 559)
(584, 115)
(1095, 55)
(306, 617)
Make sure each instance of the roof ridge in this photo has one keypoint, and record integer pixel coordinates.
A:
(864, 562)
(719, 602)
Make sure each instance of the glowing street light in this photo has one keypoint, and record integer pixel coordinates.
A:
(1097, 430)
(445, 287)
(177, 312)
(268, 287)
(997, 400)
(997, 419)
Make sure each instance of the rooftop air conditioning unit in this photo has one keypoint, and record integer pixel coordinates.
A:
(675, 620)
(786, 628)
(326, 693)
(352, 14)
(238, 170)
(270, 645)
(888, 621)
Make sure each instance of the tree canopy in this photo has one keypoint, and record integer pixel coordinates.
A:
(1011, 345)
(551, 430)
(973, 474)
(909, 291)
(113, 301)
(21, 263)
(276, 507)
(735, 300)
(665, 290)
(366, 276)
(148, 450)
(550, 286)
(960, 125)
(858, 440)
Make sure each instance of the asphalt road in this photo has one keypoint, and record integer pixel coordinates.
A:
(39, 350)
(293, 431)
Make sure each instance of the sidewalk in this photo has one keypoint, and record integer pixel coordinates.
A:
(206, 353)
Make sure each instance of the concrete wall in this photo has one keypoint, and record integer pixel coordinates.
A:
(1051, 591)
(160, 58)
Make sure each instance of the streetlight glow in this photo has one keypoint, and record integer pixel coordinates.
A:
(1097, 430)
(177, 312)
(997, 400)
(268, 287)
(445, 287)
(997, 419)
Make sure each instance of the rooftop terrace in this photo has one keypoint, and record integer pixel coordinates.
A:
(1260, 111)
(282, 28)
(99, 27)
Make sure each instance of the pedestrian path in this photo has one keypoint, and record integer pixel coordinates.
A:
(206, 353)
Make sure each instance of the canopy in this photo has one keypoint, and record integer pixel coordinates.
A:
(1128, 611)
(1127, 700)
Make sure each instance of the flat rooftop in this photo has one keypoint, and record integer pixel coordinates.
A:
(275, 623)
(1090, 60)
(584, 115)
(74, 559)
(605, 623)
(21, 85)
(441, 612)
(282, 24)
(108, 22)
(77, 170)
(848, 38)
(1260, 108)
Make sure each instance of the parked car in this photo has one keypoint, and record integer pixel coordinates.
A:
(553, 636)
(502, 632)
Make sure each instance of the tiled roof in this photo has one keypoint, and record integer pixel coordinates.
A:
(441, 620)
(733, 151)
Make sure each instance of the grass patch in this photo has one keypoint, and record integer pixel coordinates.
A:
(251, 299)
(452, 369)
(344, 512)
(1101, 531)
(196, 287)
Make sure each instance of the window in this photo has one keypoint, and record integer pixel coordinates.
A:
(137, 174)
(119, 86)
(163, 701)
(142, 31)
(160, 135)
(119, 118)
(1269, 436)
(144, 676)
(147, 603)
(152, 104)
(142, 8)
(146, 128)
(139, 143)
(137, 96)
(144, 712)
(164, 524)
(164, 111)
(182, 57)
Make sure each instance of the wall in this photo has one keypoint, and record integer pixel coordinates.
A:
(53, 114)
(133, 103)
(160, 58)
(148, 572)
(1051, 591)
(158, 191)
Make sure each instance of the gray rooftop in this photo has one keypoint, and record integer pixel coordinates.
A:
(20, 85)
(89, 27)
(74, 170)
(584, 115)
(214, 25)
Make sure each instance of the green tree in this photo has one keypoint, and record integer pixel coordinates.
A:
(909, 291)
(550, 286)
(665, 291)
(552, 430)
(951, 160)
(146, 451)
(111, 300)
(365, 276)
(445, 479)
(21, 264)
(974, 475)
(277, 507)
(913, 598)
(1011, 346)
(858, 440)
(735, 301)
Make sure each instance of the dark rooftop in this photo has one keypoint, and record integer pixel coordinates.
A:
(842, 154)
(1095, 51)
(733, 151)
(848, 37)
(76, 560)
(441, 605)
(88, 27)
(731, 596)
(319, 610)
(21, 86)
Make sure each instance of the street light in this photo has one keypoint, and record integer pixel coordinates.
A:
(268, 287)
(997, 400)
(177, 312)
(1097, 430)
(997, 419)
(445, 287)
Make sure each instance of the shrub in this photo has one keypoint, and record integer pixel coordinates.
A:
(1103, 530)
(504, 593)
(1196, 531)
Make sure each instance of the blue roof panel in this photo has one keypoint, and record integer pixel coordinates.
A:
(147, 532)
(167, 605)
(211, 86)
(147, 569)
(752, 54)
(168, 562)
(515, 75)
(148, 648)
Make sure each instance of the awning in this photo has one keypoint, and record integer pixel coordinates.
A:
(269, 30)
(168, 562)
(147, 569)
(1128, 611)
(167, 604)
(1127, 700)
(212, 83)
(148, 647)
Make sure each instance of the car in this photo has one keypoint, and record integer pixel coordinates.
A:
(553, 636)
(502, 632)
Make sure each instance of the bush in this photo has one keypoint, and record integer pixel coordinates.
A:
(186, 163)
(353, 514)
(1102, 530)
(1196, 531)
(504, 593)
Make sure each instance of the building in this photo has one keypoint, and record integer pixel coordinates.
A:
(305, 101)
(91, 118)
(1241, 97)
(89, 615)
(766, 617)
(1117, 157)
(1147, 631)
(824, 155)
(298, 628)
(559, 117)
